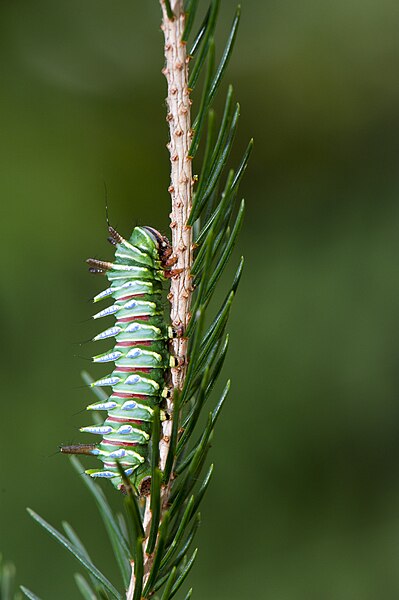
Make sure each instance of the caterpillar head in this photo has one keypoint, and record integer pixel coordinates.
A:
(164, 246)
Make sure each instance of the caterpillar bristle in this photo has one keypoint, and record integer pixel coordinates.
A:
(115, 235)
(87, 449)
(101, 265)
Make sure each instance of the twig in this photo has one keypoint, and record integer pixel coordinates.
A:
(130, 591)
(178, 117)
(180, 189)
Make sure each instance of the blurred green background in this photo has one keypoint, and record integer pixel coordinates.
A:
(305, 502)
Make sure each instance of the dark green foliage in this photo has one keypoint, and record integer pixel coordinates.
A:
(132, 504)
(77, 553)
(84, 587)
(191, 9)
(173, 440)
(169, 584)
(159, 552)
(29, 594)
(183, 574)
(7, 581)
(204, 44)
(117, 539)
(74, 539)
(177, 493)
(169, 9)
(138, 568)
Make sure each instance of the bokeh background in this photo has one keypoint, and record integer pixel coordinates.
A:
(305, 502)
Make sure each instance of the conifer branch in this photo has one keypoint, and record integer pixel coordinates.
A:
(152, 546)
(180, 189)
(181, 186)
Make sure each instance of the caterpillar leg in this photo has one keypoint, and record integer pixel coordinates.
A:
(169, 262)
(167, 392)
(175, 332)
(172, 273)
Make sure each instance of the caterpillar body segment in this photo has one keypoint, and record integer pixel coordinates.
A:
(140, 357)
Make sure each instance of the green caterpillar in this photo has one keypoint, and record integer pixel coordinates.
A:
(140, 355)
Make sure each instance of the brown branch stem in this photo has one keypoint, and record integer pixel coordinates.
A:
(180, 189)
(132, 583)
